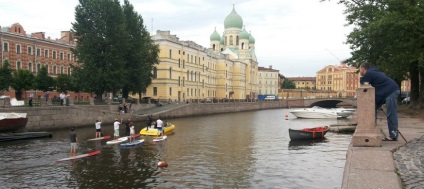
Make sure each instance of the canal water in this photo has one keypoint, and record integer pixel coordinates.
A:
(237, 150)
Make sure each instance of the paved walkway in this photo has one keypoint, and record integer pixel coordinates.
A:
(396, 164)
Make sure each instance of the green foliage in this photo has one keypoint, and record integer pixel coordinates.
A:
(43, 81)
(5, 76)
(63, 83)
(22, 80)
(141, 54)
(288, 84)
(388, 34)
(102, 42)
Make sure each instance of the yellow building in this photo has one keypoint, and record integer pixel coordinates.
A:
(188, 71)
(304, 82)
(268, 81)
(342, 79)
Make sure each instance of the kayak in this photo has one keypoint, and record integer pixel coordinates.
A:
(160, 138)
(118, 140)
(100, 138)
(133, 143)
(93, 153)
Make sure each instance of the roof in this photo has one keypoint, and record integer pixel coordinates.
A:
(267, 69)
(233, 20)
(301, 78)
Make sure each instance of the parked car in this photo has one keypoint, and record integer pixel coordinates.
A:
(406, 100)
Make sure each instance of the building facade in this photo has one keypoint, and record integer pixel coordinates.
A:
(304, 82)
(188, 71)
(268, 82)
(31, 51)
(342, 79)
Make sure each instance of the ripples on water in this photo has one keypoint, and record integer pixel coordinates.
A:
(238, 150)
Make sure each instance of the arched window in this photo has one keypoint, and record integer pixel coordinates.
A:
(213, 46)
(69, 70)
(188, 75)
(5, 47)
(61, 70)
(18, 65)
(47, 68)
(46, 53)
(30, 66)
(155, 73)
(242, 45)
(191, 76)
(38, 67)
(54, 54)
(195, 76)
(18, 49)
(237, 40)
(231, 40)
(38, 52)
(54, 69)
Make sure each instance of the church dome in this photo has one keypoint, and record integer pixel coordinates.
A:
(251, 39)
(215, 36)
(233, 20)
(244, 35)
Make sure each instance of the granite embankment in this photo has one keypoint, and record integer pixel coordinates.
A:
(57, 117)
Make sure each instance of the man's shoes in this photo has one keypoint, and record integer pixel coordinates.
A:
(389, 139)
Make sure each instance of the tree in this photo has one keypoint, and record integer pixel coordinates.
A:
(102, 41)
(5, 76)
(288, 84)
(389, 35)
(22, 80)
(141, 54)
(43, 81)
(63, 83)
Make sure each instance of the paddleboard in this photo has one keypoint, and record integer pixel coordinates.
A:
(160, 138)
(93, 153)
(100, 138)
(116, 141)
(133, 143)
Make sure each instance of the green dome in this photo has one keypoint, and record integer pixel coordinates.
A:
(251, 39)
(233, 20)
(222, 42)
(244, 35)
(215, 36)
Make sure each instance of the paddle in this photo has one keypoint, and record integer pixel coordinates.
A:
(394, 124)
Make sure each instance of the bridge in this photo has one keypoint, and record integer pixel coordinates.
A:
(322, 102)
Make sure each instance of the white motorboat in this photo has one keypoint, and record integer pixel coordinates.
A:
(319, 113)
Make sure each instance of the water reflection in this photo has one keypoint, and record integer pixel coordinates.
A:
(238, 150)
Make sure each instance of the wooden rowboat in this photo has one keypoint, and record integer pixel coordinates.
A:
(308, 133)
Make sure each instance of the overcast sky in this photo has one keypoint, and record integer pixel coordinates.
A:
(297, 37)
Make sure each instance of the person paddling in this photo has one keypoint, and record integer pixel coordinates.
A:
(159, 124)
(98, 128)
(74, 142)
(132, 131)
(116, 128)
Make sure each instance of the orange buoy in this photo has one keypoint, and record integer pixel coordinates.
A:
(162, 164)
(287, 117)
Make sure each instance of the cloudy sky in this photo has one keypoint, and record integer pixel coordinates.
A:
(297, 37)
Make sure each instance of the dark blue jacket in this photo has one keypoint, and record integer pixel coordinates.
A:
(384, 86)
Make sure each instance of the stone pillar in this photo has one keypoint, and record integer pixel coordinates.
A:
(71, 101)
(7, 102)
(43, 101)
(91, 101)
(366, 134)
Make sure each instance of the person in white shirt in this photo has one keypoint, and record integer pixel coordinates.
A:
(116, 128)
(98, 128)
(159, 125)
(132, 131)
(62, 98)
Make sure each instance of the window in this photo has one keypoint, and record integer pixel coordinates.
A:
(191, 58)
(188, 92)
(179, 63)
(69, 57)
(61, 56)
(155, 73)
(231, 40)
(69, 70)
(18, 65)
(237, 40)
(30, 67)
(61, 70)
(188, 75)
(29, 49)
(170, 91)
(170, 73)
(54, 69)
(155, 91)
(5, 47)
(38, 52)
(46, 53)
(183, 81)
(54, 54)
(213, 47)
(179, 51)
(183, 63)
(47, 68)
(18, 49)
(170, 53)
(38, 67)
(179, 80)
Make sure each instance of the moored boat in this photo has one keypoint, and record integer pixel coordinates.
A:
(308, 133)
(154, 132)
(11, 122)
(319, 113)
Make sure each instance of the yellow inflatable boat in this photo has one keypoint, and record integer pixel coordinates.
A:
(154, 132)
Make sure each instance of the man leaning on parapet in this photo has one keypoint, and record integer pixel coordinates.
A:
(386, 90)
